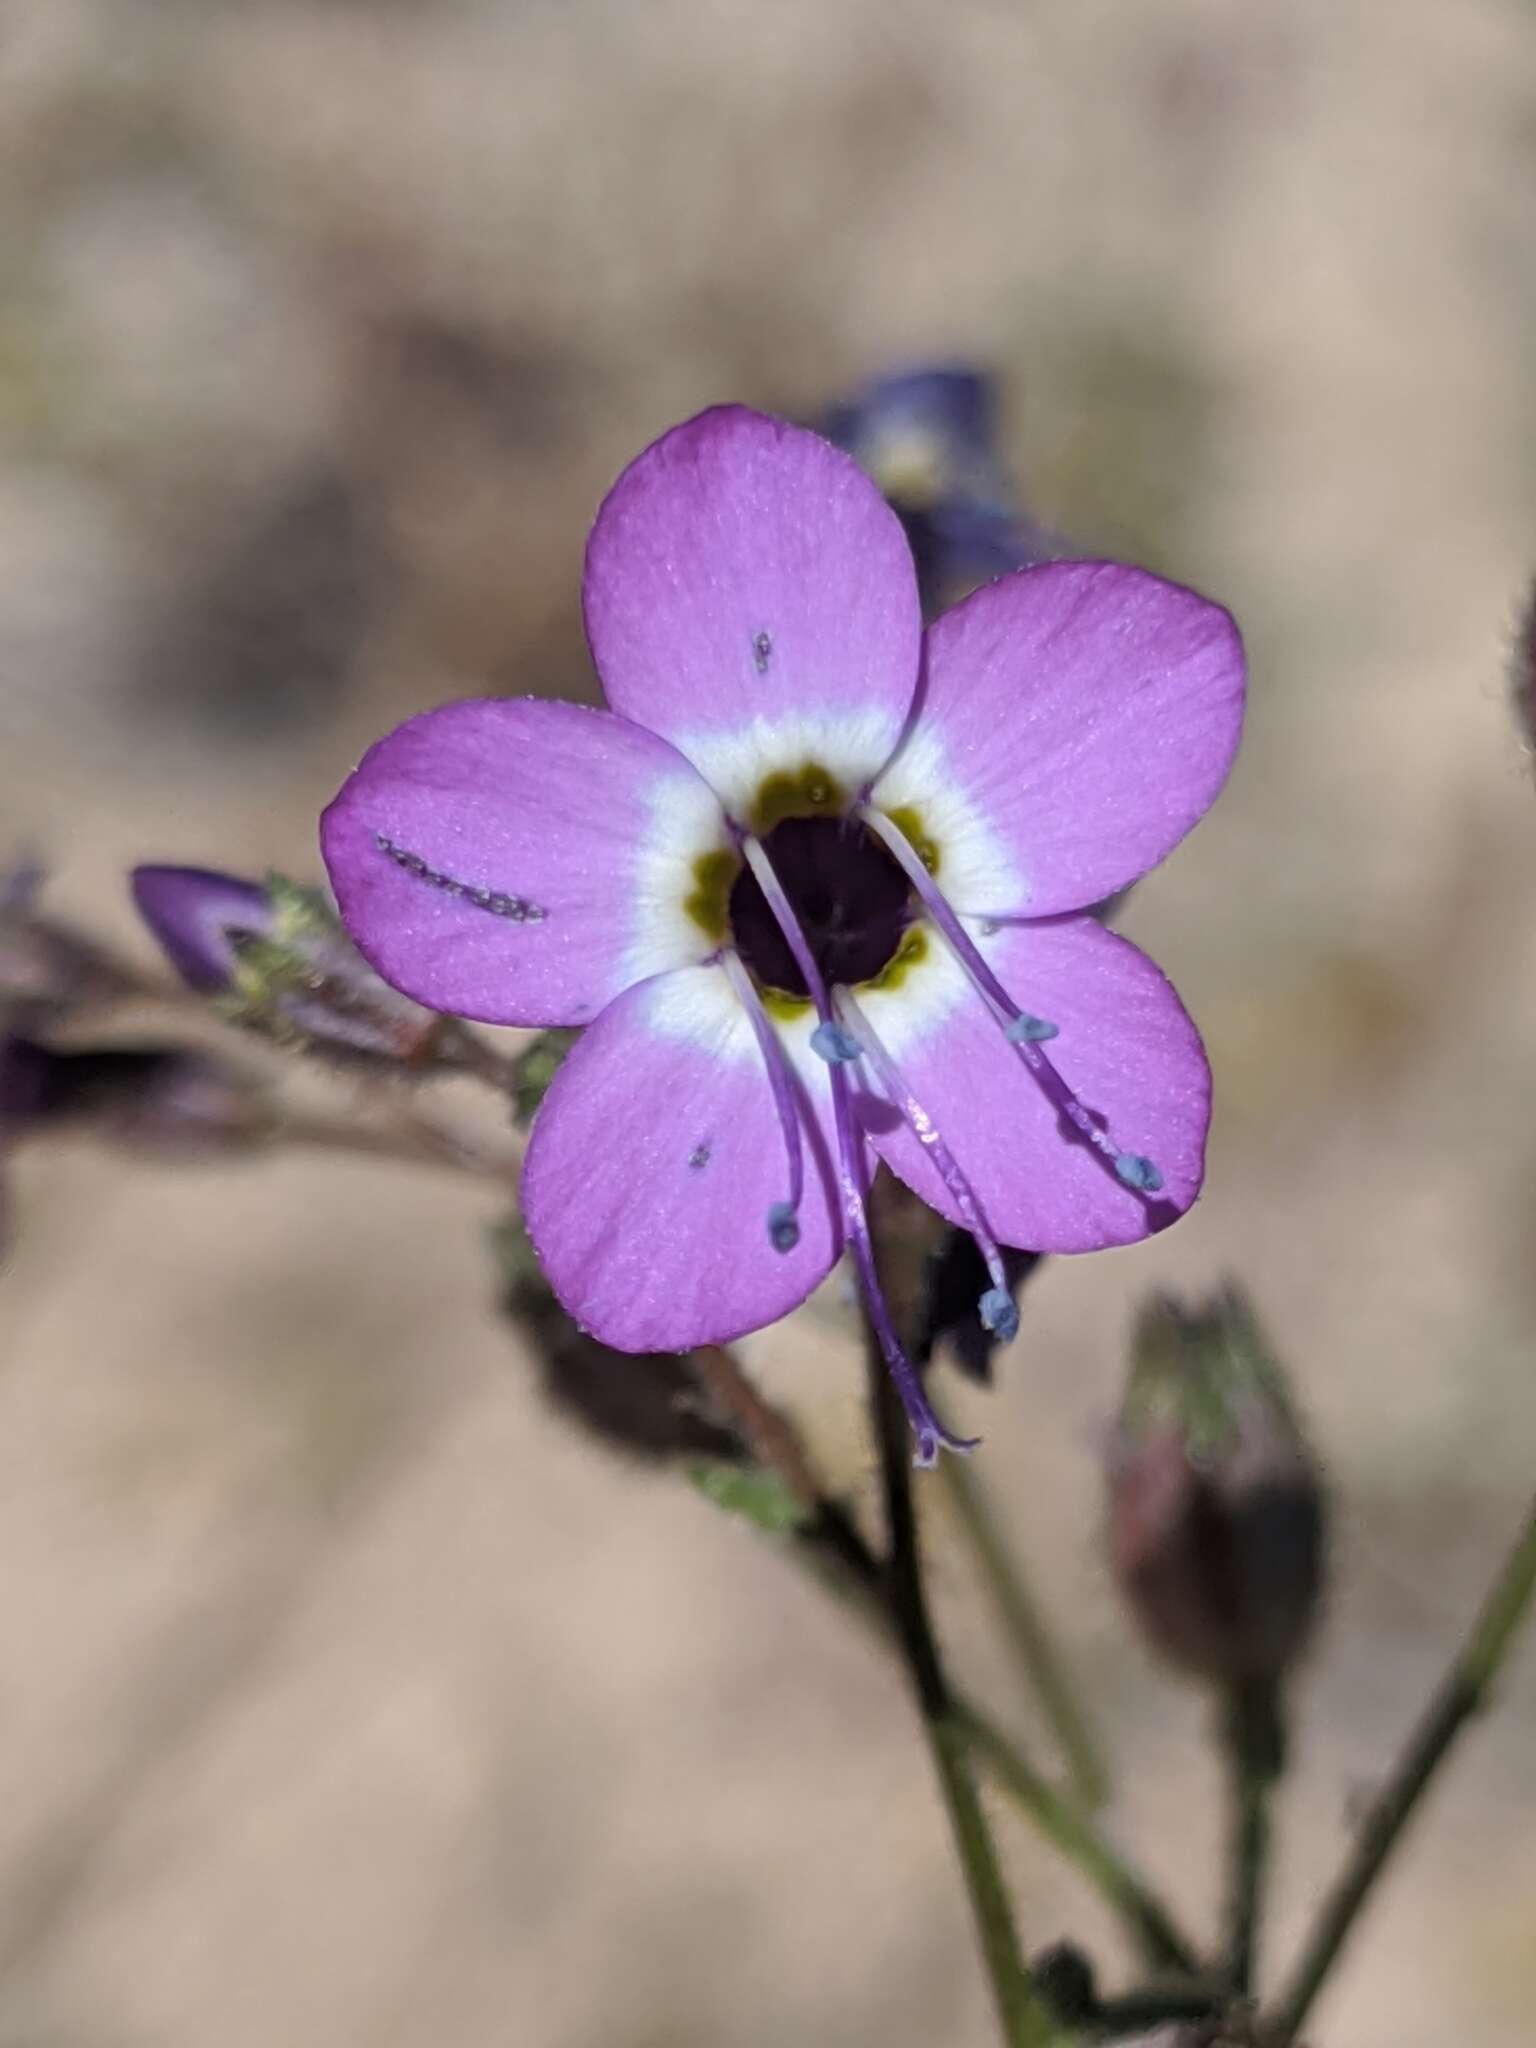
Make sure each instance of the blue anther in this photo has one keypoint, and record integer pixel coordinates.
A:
(1027, 1030)
(999, 1314)
(1138, 1172)
(835, 1045)
(783, 1230)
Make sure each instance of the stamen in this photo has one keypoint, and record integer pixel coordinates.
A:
(783, 1228)
(1023, 1032)
(835, 1045)
(999, 1313)
(996, 1307)
(928, 1432)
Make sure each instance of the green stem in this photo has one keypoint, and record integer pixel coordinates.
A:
(1026, 1630)
(1077, 1835)
(1463, 1692)
(830, 1546)
(1024, 2021)
(1253, 1742)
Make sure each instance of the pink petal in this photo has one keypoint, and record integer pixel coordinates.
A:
(1126, 1047)
(654, 1161)
(520, 862)
(750, 595)
(1076, 720)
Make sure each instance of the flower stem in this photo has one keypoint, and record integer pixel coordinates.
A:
(1024, 2021)
(1028, 1635)
(1253, 1743)
(1463, 1692)
(837, 1555)
(1078, 1836)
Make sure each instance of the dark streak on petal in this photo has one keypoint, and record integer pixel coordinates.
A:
(517, 908)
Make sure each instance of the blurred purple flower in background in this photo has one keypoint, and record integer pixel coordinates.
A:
(929, 438)
(817, 885)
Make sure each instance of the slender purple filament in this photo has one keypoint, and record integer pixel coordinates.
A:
(927, 1429)
(1023, 1031)
(928, 1136)
(783, 1228)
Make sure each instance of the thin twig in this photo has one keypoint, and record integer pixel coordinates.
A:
(1463, 1692)
(1028, 1634)
(1024, 2020)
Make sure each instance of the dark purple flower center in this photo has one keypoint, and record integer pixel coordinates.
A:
(850, 897)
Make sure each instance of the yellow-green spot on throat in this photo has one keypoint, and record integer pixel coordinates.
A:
(908, 821)
(805, 792)
(909, 954)
(708, 903)
(785, 1007)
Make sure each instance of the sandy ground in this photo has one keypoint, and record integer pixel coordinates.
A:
(347, 1695)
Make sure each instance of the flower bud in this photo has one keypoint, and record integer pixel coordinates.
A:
(929, 439)
(173, 1101)
(274, 957)
(1216, 1515)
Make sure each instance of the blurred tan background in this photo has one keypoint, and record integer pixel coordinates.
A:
(347, 1696)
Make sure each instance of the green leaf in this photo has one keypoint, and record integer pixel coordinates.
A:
(760, 1497)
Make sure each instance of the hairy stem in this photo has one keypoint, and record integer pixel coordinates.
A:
(1463, 1692)
(1028, 1635)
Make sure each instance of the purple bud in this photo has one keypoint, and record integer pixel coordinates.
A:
(1216, 1515)
(278, 961)
(197, 915)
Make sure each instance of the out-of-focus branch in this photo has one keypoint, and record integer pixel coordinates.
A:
(1464, 1691)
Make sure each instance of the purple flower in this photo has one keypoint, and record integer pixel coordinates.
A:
(929, 439)
(817, 886)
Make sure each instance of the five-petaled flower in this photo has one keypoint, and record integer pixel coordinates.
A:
(817, 884)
